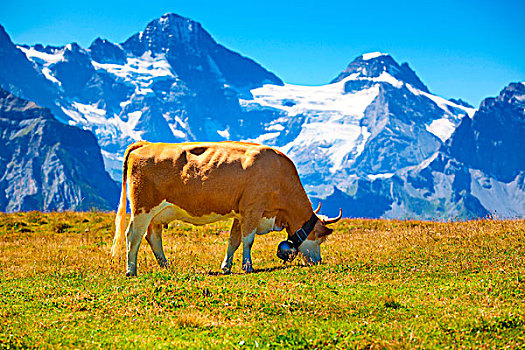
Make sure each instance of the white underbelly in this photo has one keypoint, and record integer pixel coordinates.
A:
(266, 225)
(167, 212)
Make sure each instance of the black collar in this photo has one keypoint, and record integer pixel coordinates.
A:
(301, 234)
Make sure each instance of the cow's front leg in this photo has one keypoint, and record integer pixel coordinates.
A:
(247, 242)
(154, 238)
(248, 229)
(233, 243)
(136, 229)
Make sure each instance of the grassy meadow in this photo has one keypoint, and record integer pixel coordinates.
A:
(382, 284)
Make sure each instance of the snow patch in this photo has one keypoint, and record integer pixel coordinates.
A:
(385, 77)
(332, 119)
(139, 71)
(327, 103)
(47, 73)
(177, 133)
(442, 128)
(224, 133)
(91, 113)
(275, 127)
(95, 119)
(74, 115)
(123, 104)
(371, 55)
(182, 123)
(327, 100)
(336, 140)
(113, 164)
(380, 176)
(265, 137)
(44, 57)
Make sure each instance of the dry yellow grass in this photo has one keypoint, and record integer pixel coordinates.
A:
(383, 283)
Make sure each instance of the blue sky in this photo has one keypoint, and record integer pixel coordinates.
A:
(467, 49)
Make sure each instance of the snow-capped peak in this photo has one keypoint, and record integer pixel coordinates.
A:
(375, 64)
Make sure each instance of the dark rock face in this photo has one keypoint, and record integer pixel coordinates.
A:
(75, 70)
(195, 56)
(369, 201)
(493, 141)
(104, 51)
(46, 165)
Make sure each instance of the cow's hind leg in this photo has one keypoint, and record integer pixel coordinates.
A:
(154, 238)
(136, 229)
(233, 243)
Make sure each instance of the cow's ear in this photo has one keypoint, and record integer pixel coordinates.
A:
(324, 231)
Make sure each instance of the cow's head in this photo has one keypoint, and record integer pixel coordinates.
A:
(311, 247)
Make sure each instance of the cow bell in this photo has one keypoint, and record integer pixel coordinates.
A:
(286, 251)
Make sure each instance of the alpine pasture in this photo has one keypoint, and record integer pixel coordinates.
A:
(382, 284)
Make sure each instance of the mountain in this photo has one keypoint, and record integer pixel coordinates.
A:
(170, 82)
(374, 138)
(47, 165)
(374, 119)
(479, 171)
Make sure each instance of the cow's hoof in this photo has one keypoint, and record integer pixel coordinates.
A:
(163, 263)
(248, 268)
(226, 267)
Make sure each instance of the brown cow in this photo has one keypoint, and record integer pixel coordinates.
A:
(201, 183)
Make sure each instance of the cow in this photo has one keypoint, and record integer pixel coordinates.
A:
(204, 182)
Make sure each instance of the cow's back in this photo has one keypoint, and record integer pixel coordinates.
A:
(202, 178)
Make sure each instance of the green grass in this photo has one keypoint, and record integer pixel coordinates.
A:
(382, 284)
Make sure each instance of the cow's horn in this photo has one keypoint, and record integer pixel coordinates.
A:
(334, 220)
(318, 208)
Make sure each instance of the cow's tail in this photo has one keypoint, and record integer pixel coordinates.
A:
(120, 219)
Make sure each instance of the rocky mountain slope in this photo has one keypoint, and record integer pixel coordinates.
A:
(46, 165)
(479, 171)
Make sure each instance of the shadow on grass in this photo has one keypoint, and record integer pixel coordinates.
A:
(268, 269)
